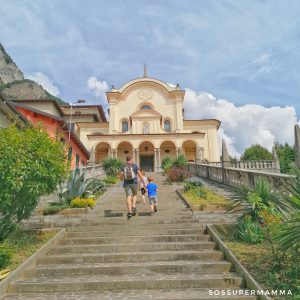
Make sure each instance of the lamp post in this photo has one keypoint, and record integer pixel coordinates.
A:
(70, 121)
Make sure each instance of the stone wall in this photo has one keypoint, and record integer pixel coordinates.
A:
(238, 177)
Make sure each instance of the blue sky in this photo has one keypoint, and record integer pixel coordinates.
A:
(243, 51)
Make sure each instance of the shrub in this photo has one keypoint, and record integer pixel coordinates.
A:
(249, 231)
(178, 174)
(260, 198)
(180, 161)
(82, 202)
(166, 162)
(31, 165)
(112, 166)
(5, 257)
(111, 180)
(81, 186)
(52, 209)
(194, 181)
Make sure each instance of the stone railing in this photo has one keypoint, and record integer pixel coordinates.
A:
(261, 165)
(238, 177)
(91, 171)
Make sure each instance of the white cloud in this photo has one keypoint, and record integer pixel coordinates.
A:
(244, 125)
(45, 82)
(98, 88)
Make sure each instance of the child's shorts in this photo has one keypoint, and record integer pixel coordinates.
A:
(143, 191)
(153, 200)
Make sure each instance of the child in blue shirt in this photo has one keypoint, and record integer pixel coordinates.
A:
(152, 195)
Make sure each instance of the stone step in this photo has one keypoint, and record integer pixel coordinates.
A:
(165, 267)
(134, 239)
(71, 258)
(76, 233)
(84, 227)
(164, 294)
(128, 282)
(136, 220)
(156, 246)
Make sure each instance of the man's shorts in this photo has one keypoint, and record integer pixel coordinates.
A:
(153, 200)
(130, 189)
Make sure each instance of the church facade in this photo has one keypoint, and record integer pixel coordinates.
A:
(146, 120)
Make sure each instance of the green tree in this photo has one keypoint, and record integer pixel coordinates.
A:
(31, 165)
(256, 152)
(112, 166)
(286, 155)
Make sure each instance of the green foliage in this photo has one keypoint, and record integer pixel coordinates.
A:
(112, 166)
(260, 198)
(180, 161)
(194, 181)
(249, 231)
(5, 257)
(31, 165)
(256, 152)
(52, 209)
(80, 185)
(111, 180)
(166, 164)
(286, 155)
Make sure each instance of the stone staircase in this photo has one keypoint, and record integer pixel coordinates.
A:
(165, 256)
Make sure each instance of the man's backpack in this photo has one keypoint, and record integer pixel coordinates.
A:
(128, 172)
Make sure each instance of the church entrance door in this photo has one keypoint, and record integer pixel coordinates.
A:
(147, 163)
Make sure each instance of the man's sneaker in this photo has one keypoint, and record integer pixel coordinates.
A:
(155, 208)
(152, 213)
(134, 211)
(129, 215)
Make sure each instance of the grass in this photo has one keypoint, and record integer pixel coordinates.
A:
(22, 244)
(259, 262)
(205, 198)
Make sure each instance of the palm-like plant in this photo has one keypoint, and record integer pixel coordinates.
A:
(290, 233)
(253, 200)
(79, 184)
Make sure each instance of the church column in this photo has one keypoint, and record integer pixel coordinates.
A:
(137, 156)
(159, 160)
(198, 155)
(155, 159)
(179, 151)
(134, 155)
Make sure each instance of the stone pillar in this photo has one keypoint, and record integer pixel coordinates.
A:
(134, 155)
(155, 159)
(137, 151)
(276, 160)
(198, 155)
(179, 151)
(92, 158)
(225, 155)
(159, 160)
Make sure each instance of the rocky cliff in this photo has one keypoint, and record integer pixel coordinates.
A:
(13, 84)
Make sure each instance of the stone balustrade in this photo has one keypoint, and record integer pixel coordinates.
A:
(237, 177)
(262, 165)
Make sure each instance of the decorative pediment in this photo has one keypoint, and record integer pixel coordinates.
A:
(146, 113)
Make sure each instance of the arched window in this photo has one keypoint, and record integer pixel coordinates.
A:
(124, 126)
(146, 107)
(77, 160)
(167, 125)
